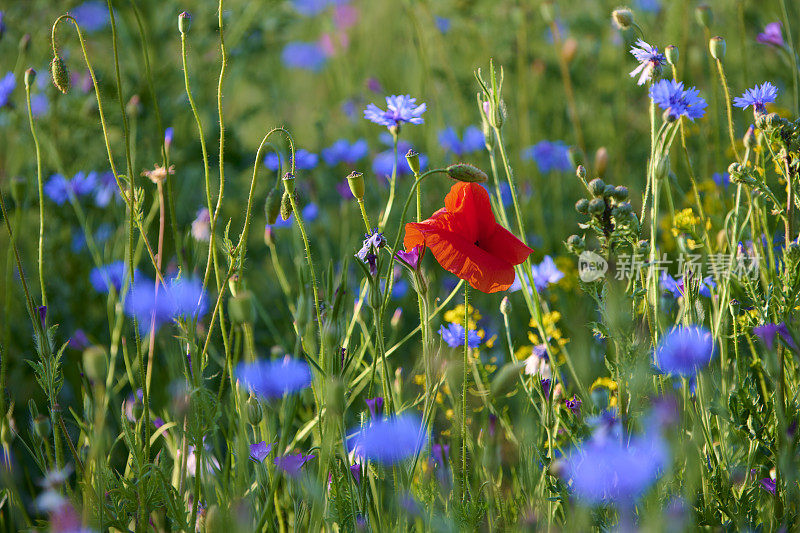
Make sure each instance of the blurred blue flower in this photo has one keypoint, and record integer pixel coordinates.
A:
(544, 274)
(104, 231)
(549, 156)
(7, 85)
(676, 101)
(91, 16)
(304, 160)
(443, 24)
(650, 61)
(768, 332)
(758, 97)
(259, 451)
(343, 152)
(772, 35)
(676, 287)
(180, 298)
(383, 163)
(399, 109)
(309, 8)
(453, 336)
(684, 350)
(721, 179)
(169, 133)
(608, 470)
(111, 275)
(650, 6)
(389, 441)
(473, 140)
(105, 189)
(291, 464)
(307, 56)
(272, 378)
(39, 105)
(58, 188)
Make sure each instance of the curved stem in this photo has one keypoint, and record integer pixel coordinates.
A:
(41, 192)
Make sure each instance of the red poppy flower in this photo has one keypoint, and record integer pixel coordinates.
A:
(467, 240)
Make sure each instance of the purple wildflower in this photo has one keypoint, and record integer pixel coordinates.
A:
(7, 85)
(389, 441)
(768, 332)
(91, 16)
(574, 405)
(772, 35)
(549, 156)
(274, 378)
(306, 56)
(473, 140)
(684, 350)
(453, 336)
(677, 101)
(343, 152)
(259, 451)
(412, 257)
(375, 406)
(291, 464)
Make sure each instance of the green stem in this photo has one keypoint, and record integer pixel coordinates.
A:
(464, 396)
(40, 188)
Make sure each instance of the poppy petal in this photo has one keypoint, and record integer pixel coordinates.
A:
(503, 244)
(482, 270)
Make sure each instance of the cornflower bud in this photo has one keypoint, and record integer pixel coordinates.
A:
(582, 206)
(597, 187)
(597, 206)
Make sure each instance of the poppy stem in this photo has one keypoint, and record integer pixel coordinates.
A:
(464, 396)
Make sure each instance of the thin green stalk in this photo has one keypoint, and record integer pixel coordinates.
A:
(39, 182)
(728, 108)
(464, 396)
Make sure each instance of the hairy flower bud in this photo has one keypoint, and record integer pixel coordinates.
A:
(288, 182)
(620, 193)
(60, 74)
(597, 206)
(254, 412)
(597, 187)
(582, 206)
(30, 75)
(286, 206)
(717, 47)
(505, 305)
(466, 172)
(622, 18)
(580, 171)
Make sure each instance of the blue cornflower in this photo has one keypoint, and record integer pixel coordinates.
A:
(450, 142)
(389, 441)
(684, 350)
(652, 6)
(111, 275)
(307, 56)
(549, 156)
(399, 109)
(453, 336)
(609, 470)
(309, 8)
(7, 85)
(758, 97)
(180, 298)
(40, 105)
(343, 152)
(768, 332)
(91, 16)
(58, 188)
(274, 378)
(304, 160)
(677, 101)
(442, 24)
(650, 61)
(722, 179)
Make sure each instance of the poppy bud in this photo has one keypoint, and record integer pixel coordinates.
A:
(622, 18)
(94, 363)
(505, 305)
(582, 206)
(576, 244)
(467, 173)
(413, 161)
(597, 187)
(601, 161)
(240, 308)
(60, 74)
(717, 47)
(704, 15)
(184, 22)
(254, 412)
(356, 182)
(671, 53)
(18, 189)
(288, 182)
(272, 207)
(30, 75)
(286, 206)
(41, 426)
(597, 206)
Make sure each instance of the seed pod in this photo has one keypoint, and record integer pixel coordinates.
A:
(184, 22)
(717, 47)
(60, 73)
(356, 182)
(467, 173)
(413, 161)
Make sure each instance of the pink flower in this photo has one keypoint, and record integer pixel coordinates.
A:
(345, 16)
(772, 35)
